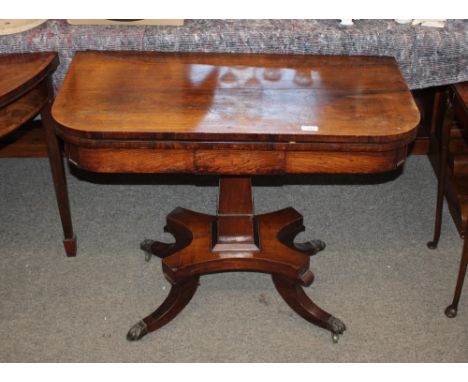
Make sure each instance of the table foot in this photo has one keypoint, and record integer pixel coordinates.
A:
(137, 331)
(70, 246)
(145, 246)
(311, 247)
(179, 296)
(451, 311)
(432, 244)
(290, 231)
(296, 298)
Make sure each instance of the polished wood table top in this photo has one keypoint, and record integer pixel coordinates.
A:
(23, 87)
(278, 111)
(234, 115)
(236, 97)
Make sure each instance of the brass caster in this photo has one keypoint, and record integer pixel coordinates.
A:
(335, 337)
(311, 247)
(137, 331)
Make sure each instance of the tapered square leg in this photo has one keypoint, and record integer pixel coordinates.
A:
(58, 176)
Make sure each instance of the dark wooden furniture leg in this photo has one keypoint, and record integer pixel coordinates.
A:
(444, 139)
(295, 297)
(179, 296)
(58, 175)
(451, 310)
(444, 127)
(235, 240)
(459, 102)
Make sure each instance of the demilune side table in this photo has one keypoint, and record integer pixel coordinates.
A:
(236, 116)
(25, 87)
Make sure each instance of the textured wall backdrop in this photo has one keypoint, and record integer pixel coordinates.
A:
(427, 56)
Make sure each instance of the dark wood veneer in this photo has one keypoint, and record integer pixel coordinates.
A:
(235, 115)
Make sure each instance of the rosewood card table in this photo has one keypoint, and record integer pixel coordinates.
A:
(236, 116)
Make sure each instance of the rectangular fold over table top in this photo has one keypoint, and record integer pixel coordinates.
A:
(235, 97)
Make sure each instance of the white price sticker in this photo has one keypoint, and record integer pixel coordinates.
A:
(309, 128)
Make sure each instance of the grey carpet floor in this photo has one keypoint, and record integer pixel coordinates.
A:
(376, 273)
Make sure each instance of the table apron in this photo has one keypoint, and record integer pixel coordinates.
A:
(231, 161)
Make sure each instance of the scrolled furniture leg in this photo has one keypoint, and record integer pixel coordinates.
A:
(290, 231)
(179, 296)
(182, 236)
(295, 297)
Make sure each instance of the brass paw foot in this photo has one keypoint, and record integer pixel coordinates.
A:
(145, 246)
(137, 331)
(337, 328)
(294, 226)
(157, 248)
(311, 247)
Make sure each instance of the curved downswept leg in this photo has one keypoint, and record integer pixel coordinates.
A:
(442, 171)
(451, 310)
(59, 178)
(179, 296)
(295, 297)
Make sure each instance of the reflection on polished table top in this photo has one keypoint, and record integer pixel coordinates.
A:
(234, 115)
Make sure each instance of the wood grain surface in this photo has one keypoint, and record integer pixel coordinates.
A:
(234, 114)
(20, 72)
(235, 97)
